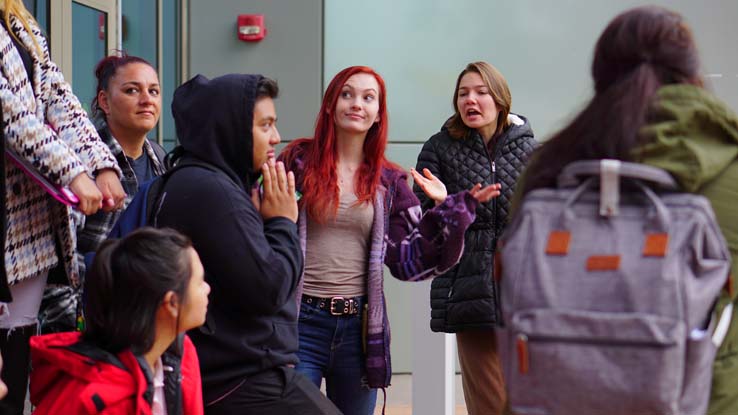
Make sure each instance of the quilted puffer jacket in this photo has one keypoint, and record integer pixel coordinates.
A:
(466, 297)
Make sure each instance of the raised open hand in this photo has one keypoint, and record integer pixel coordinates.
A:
(487, 193)
(432, 186)
(279, 192)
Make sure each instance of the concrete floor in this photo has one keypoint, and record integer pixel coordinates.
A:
(400, 399)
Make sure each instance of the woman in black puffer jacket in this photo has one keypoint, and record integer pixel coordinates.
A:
(481, 143)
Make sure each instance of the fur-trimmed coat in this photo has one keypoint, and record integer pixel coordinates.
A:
(44, 122)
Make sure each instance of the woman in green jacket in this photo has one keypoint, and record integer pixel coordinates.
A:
(650, 106)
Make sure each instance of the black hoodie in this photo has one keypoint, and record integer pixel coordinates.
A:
(252, 266)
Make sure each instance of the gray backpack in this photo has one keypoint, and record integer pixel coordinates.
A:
(608, 284)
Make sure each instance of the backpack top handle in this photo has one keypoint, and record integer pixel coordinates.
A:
(573, 173)
(609, 173)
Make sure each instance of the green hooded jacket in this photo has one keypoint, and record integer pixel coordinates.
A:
(694, 136)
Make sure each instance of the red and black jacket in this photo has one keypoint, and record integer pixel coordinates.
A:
(71, 376)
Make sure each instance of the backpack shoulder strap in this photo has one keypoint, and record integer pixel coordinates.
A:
(156, 193)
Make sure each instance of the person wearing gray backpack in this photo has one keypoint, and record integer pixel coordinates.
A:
(649, 107)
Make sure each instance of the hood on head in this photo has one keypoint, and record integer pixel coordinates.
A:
(690, 133)
(214, 119)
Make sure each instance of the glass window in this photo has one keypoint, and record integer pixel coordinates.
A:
(140, 39)
(139, 29)
(171, 68)
(89, 37)
(40, 11)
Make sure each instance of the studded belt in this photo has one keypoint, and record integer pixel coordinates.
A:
(338, 306)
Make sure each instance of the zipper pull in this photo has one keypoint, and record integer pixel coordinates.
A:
(523, 358)
(450, 291)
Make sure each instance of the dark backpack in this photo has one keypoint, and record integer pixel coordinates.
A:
(144, 208)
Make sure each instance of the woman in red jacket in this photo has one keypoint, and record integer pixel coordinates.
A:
(142, 293)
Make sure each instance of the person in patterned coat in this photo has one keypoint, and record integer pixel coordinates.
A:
(481, 143)
(128, 102)
(44, 123)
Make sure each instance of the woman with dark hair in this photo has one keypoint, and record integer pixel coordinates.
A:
(143, 292)
(44, 124)
(358, 203)
(128, 102)
(482, 142)
(649, 106)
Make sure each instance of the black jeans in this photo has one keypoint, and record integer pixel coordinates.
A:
(16, 352)
(279, 391)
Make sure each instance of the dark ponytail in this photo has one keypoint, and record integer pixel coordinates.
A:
(128, 280)
(641, 50)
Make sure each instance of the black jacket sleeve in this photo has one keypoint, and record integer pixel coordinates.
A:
(251, 265)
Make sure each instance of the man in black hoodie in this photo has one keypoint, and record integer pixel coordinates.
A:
(248, 244)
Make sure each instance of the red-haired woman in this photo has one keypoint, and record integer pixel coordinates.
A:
(358, 213)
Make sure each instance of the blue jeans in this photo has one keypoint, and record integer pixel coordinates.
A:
(331, 348)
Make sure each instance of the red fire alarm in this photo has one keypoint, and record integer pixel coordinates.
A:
(251, 27)
(101, 26)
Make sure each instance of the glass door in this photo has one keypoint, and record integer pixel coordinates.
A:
(83, 32)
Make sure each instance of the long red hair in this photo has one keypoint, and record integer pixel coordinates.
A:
(319, 178)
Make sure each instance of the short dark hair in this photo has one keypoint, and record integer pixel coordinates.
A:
(106, 69)
(128, 280)
(267, 88)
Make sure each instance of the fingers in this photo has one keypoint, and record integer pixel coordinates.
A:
(419, 180)
(428, 174)
(487, 193)
(266, 171)
(113, 195)
(475, 189)
(281, 177)
(87, 192)
(291, 184)
(107, 204)
(273, 176)
(89, 205)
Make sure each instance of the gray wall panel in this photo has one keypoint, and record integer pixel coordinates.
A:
(291, 53)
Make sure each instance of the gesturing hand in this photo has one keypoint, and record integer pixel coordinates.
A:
(279, 192)
(431, 185)
(485, 194)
